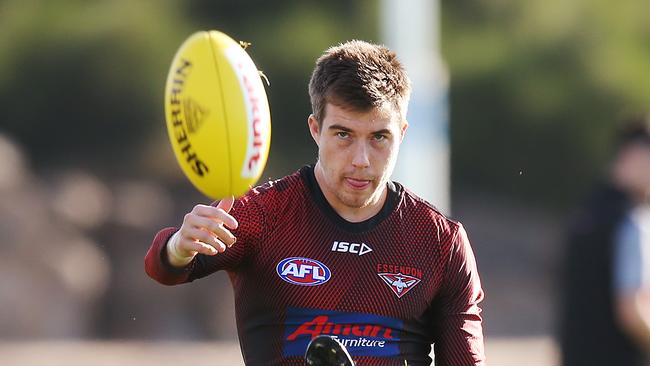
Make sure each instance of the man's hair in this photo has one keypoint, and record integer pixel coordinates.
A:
(361, 76)
(634, 130)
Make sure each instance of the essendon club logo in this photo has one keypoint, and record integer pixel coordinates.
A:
(400, 279)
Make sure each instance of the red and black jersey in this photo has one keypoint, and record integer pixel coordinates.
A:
(387, 288)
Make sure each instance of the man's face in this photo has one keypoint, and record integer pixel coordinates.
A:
(357, 153)
(633, 168)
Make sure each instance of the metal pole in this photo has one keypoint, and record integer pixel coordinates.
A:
(411, 28)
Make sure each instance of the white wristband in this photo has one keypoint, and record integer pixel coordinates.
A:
(175, 258)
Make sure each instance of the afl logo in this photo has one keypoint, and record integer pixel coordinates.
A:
(303, 271)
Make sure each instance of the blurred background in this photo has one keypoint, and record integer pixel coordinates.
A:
(87, 176)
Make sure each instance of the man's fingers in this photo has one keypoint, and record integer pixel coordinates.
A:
(215, 213)
(189, 248)
(226, 205)
(193, 235)
(215, 228)
(217, 242)
(203, 248)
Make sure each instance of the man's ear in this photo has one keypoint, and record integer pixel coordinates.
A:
(403, 129)
(314, 128)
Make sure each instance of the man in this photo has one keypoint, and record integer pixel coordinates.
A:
(337, 248)
(606, 307)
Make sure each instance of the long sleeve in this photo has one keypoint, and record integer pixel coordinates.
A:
(250, 230)
(157, 265)
(458, 324)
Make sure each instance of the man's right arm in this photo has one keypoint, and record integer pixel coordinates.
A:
(172, 257)
(156, 262)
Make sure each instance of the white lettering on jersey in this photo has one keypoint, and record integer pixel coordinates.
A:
(303, 270)
(354, 248)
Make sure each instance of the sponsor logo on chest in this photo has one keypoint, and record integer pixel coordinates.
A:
(354, 248)
(363, 334)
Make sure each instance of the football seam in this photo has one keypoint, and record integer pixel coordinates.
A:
(225, 112)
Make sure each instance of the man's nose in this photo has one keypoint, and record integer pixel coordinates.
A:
(360, 157)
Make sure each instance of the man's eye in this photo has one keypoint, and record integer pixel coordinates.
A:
(342, 134)
(379, 137)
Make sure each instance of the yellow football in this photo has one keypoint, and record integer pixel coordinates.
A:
(217, 115)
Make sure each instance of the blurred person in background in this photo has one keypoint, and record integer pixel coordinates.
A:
(605, 317)
(337, 248)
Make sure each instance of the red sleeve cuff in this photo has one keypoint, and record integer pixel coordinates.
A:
(157, 264)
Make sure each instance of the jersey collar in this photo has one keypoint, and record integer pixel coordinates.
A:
(394, 190)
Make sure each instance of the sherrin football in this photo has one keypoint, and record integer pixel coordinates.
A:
(217, 115)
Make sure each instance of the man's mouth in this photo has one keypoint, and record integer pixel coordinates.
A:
(358, 183)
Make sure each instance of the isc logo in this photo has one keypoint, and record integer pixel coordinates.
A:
(354, 248)
(303, 271)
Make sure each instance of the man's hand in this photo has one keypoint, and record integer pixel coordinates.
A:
(205, 230)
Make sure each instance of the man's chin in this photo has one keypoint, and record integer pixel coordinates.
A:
(355, 200)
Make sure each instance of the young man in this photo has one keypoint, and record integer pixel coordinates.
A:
(337, 248)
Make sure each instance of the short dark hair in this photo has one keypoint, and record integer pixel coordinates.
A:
(359, 75)
(634, 130)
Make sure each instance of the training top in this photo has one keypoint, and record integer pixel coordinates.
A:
(386, 288)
